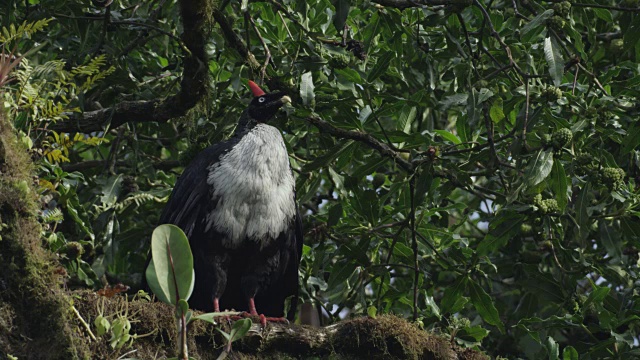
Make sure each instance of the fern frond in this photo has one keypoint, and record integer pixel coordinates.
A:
(50, 70)
(138, 199)
(91, 80)
(55, 156)
(53, 215)
(26, 29)
(90, 68)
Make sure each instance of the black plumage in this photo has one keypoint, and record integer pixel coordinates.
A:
(236, 203)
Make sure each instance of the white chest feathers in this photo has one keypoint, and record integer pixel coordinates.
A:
(254, 189)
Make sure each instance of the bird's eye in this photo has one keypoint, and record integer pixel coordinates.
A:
(261, 99)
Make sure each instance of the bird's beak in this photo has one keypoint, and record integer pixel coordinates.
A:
(285, 99)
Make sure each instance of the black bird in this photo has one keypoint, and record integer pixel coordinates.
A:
(236, 203)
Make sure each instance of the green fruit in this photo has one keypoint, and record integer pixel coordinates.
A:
(616, 46)
(562, 8)
(537, 200)
(552, 93)
(339, 62)
(561, 138)
(551, 205)
(557, 22)
(591, 112)
(613, 178)
(546, 206)
(526, 229)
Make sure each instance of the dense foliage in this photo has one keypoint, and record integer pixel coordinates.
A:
(470, 164)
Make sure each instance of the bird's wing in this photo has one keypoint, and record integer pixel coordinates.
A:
(290, 277)
(190, 200)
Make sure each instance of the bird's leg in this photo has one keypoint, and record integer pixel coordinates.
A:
(216, 308)
(252, 307)
(253, 313)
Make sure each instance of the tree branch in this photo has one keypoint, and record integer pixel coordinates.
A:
(193, 85)
(369, 140)
(234, 40)
(85, 165)
(405, 4)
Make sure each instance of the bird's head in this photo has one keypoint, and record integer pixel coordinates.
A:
(263, 106)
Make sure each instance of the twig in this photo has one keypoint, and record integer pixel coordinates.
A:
(193, 86)
(84, 323)
(89, 164)
(504, 46)
(234, 40)
(595, 79)
(405, 4)
(267, 53)
(575, 81)
(395, 240)
(363, 137)
(609, 7)
(480, 146)
(155, 28)
(526, 113)
(414, 245)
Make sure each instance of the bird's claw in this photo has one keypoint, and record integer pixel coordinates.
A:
(263, 320)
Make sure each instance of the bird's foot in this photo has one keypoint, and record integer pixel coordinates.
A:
(263, 320)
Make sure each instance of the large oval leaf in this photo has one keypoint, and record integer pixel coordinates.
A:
(538, 168)
(170, 274)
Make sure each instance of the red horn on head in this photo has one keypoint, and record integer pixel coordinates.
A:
(255, 89)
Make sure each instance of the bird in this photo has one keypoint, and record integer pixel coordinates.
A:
(235, 202)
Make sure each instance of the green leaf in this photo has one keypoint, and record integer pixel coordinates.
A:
(554, 60)
(328, 156)
(406, 117)
(582, 215)
(501, 229)
(212, 316)
(381, 66)
(603, 14)
(340, 273)
(538, 168)
(596, 296)
(552, 348)
(559, 184)
(372, 311)
(170, 274)
(610, 239)
(496, 112)
(182, 308)
(240, 329)
(431, 304)
(423, 184)
(306, 89)
(570, 353)
(448, 136)
(631, 141)
(484, 305)
(342, 11)
(111, 190)
(631, 34)
(535, 26)
(452, 293)
(472, 107)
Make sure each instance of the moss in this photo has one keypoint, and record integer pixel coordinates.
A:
(390, 337)
(33, 307)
